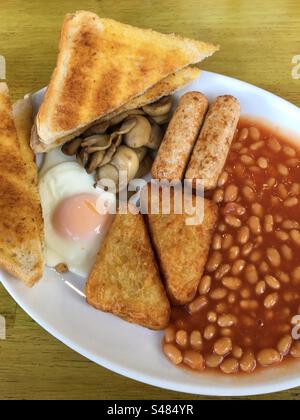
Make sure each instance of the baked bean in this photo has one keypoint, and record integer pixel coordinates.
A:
(283, 277)
(295, 189)
(283, 192)
(287, 252)
(217, 242)
(247, 160)
(256, 256)
(272, 282)
(210, 332)
(251, 274)
(236, 147)
(238, 267)
(221, 308)
(293, 163)
(249, 305)
(182, 338)
(222, 271)
(218, 196)
(283, 236)
(231, 193)
(213, 361)
(278, 219)
(248, 193)
(237, 352)
(232, 283)
(291, 202)
(271, 300)
(214, 262)
(173, 354)
(243, 235)
(254, 225)
(271, 182)
(256, 146)
(283, 170)
(235, 209)
(246, 293)
(269, 223)
(247, 249)
(212, 317)
(257, 210)
(233, 253)
(295, 235)
(196, 340)
(231, 298)
(194, 360)
(248, 362)
(274, 257)
(254, 133)
(218, 294)
(222, 228)
(170, 335)
(275, 201)
(226, 321)
(233, 221)
(295, 350)
(274, 145)
(227, 241)
(244, 134)
(223, 346)
(230, 366)
(268, 357)
(290, 225)
(205, 285)
(296, 275)
(223, 179)
(285, 345)
(260, 288)
(263, 163)
(198, 304)
(255, 169)
(289, 151)
(264, 268)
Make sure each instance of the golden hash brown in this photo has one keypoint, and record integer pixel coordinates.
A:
(125, 279)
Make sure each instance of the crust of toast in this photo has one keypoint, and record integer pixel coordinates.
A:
(21, 251)
(125, 279)
(102, 65)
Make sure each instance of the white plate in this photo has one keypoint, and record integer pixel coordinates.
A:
(133, 351)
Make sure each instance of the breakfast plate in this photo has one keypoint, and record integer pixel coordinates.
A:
(58, 304)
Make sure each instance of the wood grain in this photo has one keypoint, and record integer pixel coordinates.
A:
(258, 41)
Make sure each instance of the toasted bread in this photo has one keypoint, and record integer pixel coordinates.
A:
(182, 250)
(163, 88)
(125, 279)
(102, 65)
(21, 252)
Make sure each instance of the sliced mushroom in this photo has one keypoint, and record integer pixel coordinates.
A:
(108, 172)
(82, 157)
(128, 125)
(116, 140)
(71, 148)
(141, 153)
(126, 160)
(145, 167)
(156, 137)
(140, 134)
(95, 161)
(121, 117)
(99, 128)
(159, 108)
(163, 119)
(101, 141)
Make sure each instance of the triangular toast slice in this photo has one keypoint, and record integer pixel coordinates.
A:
(102, 65)
(182, 250)
(125, 279)
(165, 87)
(21, 251)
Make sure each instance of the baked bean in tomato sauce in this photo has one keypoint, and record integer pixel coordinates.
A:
(242, 317)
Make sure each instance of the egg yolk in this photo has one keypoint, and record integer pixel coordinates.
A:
(76, 218)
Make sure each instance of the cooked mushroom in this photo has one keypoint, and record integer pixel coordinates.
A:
(97, 142)
(95, 161)
(116, 140)
(99, 128)
(163, 119)
(159, 108)
(141, 153)
(121, 117)
(71, 148)
(156, 137)
(128, 125)
(108, 172)
(126, 160)
(140, 134)
(82, 157)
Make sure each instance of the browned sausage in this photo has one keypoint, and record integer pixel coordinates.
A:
(180, 138)
(212, 147)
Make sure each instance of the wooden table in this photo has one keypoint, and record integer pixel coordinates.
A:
(258, 38)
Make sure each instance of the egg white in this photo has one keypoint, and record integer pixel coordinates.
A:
(58, 182)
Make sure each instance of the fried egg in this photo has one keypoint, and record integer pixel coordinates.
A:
(74, 226)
